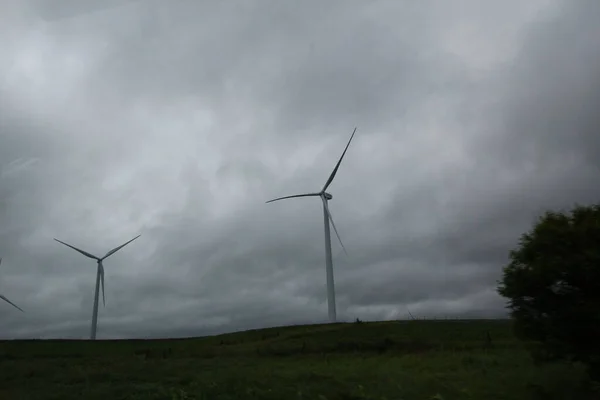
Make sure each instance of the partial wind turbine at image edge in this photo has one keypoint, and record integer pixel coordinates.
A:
(327, 219)
(99, 279)
(7, 300)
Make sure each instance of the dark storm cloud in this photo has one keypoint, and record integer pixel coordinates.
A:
(179, 121)
(58, 10)
(544, 151)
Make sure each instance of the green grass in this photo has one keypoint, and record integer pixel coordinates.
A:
(446, 359)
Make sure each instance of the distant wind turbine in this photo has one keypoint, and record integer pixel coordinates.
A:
(7, 300)
(99, 278)
(325, 197)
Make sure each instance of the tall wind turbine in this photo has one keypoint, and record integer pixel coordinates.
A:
(325, 197)
(7, 300)
(99, 278)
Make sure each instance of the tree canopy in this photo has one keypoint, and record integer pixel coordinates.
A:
(552, 284)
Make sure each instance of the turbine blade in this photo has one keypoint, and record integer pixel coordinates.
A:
(333, 224)
(7, 300)
(11, 303)
(102, 282)
(85, 253)
(113, 251)
(338, 164)
(296, 195)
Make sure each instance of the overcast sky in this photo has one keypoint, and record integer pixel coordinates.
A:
(178, 120)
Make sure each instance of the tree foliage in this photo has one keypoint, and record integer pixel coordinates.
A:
(552, 284)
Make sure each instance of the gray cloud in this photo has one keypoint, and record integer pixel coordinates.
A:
(179, 121)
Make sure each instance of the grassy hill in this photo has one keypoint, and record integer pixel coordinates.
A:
(445, 359)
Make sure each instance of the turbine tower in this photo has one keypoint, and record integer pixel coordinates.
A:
(99, 279)
(325, 197)
(7, 300)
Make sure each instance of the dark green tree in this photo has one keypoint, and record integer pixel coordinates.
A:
(552, 284)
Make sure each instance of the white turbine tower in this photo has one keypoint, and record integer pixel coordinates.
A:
(7, 300)
(99, 279)
(325, 197)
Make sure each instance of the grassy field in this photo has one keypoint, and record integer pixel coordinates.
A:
(446, 359)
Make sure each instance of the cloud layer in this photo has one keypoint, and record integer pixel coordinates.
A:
(178, 121)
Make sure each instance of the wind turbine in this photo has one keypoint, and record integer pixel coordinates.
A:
(325, 197)
(99, 278)
(7, 300)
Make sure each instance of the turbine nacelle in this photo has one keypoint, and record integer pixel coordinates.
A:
(327, 196)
